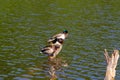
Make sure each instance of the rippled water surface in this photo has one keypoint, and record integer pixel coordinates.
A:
(26, 25)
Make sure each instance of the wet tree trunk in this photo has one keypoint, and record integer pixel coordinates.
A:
(111, 64)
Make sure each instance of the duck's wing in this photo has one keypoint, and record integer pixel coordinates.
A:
(51, 39)
(47, 50)
(57, 49)
(57, 35)
(60, 35)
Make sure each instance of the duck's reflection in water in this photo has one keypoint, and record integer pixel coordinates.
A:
(55, 65)
(52, 73)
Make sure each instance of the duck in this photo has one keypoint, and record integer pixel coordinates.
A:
(53, 49)
(63, 35)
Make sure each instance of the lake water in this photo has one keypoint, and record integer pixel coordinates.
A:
(26, 25)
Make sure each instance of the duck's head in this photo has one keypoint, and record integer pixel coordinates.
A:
(65, 31)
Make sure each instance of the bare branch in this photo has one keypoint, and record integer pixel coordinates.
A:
(111, 64)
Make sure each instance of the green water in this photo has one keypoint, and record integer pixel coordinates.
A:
(26, 25)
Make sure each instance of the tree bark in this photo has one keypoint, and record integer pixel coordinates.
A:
(111, 64)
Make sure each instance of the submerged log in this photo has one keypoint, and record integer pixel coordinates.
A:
(111, 64)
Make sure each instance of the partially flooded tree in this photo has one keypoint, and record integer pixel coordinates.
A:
(111, 64)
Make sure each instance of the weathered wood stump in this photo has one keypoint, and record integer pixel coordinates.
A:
(111, 64)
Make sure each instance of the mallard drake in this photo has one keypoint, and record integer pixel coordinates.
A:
(62, 35)
(53, 49)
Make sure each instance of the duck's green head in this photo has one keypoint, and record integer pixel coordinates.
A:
(65, 31)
